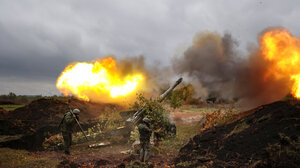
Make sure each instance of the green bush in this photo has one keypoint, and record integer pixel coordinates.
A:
(179, 96)
(155, 111)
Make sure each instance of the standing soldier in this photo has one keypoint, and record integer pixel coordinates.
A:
(66, 127)
(145, 134)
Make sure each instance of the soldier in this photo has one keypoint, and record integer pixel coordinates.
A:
(145, 134)
(66, 127)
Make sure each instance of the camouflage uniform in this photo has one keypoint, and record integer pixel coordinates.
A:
(67, 129)
(145, 134)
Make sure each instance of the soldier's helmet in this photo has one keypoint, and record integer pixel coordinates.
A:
(76, 111)
(146, 120)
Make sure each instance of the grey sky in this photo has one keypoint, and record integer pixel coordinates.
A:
(39, 38)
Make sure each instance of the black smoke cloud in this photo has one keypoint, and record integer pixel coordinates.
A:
(215, 62)
(211, 59)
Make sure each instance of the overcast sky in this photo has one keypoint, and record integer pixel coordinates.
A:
(39, 38)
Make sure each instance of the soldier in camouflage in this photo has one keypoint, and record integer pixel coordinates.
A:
(145, 134)
(66, 127)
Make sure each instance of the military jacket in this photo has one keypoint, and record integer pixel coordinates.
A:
(145, 132)
(68, 123)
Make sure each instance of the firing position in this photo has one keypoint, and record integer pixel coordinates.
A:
(66, 127)
(145, 134)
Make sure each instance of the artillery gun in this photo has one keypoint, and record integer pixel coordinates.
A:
(137, 116)
(133, 118)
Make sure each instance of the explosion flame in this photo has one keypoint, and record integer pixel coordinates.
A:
(282, 51)
(100, 78)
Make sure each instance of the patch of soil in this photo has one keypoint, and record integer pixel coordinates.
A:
(67, 164)
(242, 143)
(102, 162)
(82, 156)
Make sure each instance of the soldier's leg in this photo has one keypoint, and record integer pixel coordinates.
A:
(142, 151)
(66, 142)
(70, 137)
(146, 151)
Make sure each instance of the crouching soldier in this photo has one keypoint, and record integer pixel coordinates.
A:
(145, 134)
(66, 126)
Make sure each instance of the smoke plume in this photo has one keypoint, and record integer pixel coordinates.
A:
(212, 60)
(216, 63)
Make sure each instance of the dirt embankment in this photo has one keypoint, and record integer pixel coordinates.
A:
(269, 137)
(52, 110)
(40, 119)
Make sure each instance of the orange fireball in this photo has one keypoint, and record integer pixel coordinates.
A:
(100, 78)
(282, 51)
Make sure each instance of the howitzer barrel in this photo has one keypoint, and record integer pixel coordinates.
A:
(166, 93)
(137, 116)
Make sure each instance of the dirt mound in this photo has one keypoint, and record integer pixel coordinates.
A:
(41, 109)
(52, 110)
(258, 140)
(40, 119)
(6, 102)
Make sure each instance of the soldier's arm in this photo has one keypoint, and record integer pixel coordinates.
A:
(148, 129)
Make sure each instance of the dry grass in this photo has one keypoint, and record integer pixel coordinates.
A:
(10, 158)
(11, 107)
(185, 131)
(238, 128)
